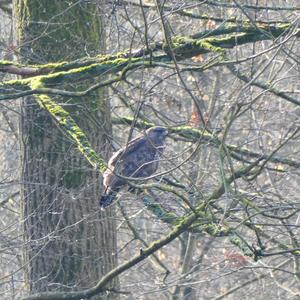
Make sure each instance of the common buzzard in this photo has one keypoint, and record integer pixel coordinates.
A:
(138, 159)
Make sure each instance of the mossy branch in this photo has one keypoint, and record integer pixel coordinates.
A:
(183, 47)
(194, 134)
(69, 126)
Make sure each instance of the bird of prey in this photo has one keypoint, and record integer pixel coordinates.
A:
(138, 159)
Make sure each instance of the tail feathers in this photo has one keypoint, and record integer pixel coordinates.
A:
(107, 199)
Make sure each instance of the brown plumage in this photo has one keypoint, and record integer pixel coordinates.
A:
(138, 159)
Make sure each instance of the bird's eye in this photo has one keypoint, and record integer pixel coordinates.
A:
(163, 131)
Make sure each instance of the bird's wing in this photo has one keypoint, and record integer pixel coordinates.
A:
(125, 151)
(118, 164)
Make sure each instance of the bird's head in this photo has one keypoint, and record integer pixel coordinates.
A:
(157, 134)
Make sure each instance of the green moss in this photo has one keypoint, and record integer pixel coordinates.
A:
(69, 125)
(130, 120)
(212, 229)
(208, 45)
(84, 72)
(179, 40)
(6, 63)
(159, 211)
(284, 26)
(237, 241)
(18, 82)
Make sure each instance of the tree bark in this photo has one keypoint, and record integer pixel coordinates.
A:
(69, 243)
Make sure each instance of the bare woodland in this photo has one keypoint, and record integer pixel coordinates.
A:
(220, 218)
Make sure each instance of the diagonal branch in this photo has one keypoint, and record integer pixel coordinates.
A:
(69, 126)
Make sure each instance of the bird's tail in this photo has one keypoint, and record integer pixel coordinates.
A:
(107, 199)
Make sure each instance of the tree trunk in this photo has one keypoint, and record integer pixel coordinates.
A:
(69, 243)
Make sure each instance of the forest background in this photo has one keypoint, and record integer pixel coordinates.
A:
(220, 219)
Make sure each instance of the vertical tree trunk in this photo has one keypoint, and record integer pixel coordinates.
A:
(69, 243)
